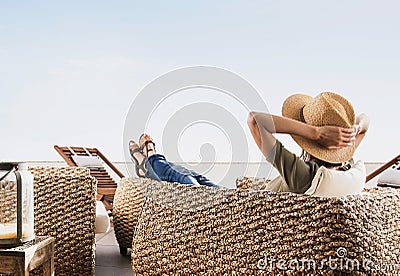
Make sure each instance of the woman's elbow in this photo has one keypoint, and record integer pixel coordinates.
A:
(251, 120)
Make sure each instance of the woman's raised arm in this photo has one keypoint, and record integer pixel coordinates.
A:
(262, 125)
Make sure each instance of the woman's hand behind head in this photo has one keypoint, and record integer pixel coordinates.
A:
(333, 137)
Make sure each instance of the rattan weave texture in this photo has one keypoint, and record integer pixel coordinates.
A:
(65, 209)
(253, 183)
(129, 199)
(128, 202)
(203, 231)
(8, 202)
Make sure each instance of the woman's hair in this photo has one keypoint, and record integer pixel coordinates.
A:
(308, 157)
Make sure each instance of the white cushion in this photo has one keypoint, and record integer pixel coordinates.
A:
(102, 222)
(391, 175)
(87, 161)
(329, 182)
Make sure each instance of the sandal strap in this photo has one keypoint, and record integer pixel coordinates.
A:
(147, 149)
(138, 166)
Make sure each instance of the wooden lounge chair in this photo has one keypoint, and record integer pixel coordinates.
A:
(382, 169)
(94, 160)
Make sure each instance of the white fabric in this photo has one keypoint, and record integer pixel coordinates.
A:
(329, 182)
(87, 161)
(102, 222)
(390, 176)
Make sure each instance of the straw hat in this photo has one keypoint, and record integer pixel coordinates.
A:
(325, 109)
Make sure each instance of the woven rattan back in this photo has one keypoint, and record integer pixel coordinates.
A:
(182, 230)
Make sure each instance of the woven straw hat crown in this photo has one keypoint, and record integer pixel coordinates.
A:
(327, 108)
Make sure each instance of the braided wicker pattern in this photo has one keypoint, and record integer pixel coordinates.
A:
(128, 202)
(254, 183)
(65, 209)
(204, 231)
(8, 202)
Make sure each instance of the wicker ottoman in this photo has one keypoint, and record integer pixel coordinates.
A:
(127, 207)
(65, 209)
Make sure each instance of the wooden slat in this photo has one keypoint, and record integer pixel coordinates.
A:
(99, 173)
(106, 182)
(106, 186)
(106, 191)
(111, 165)
(104, 177)
(98, 170)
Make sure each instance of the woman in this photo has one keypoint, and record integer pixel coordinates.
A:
(325, 127)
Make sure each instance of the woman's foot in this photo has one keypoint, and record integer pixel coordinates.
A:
(138, 157)
(147, 145)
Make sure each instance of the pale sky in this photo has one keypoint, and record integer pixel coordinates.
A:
(69, 70)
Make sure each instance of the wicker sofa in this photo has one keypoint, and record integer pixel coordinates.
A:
(65, 209)
(178, 229)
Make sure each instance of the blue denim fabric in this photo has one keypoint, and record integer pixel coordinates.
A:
(159, 168)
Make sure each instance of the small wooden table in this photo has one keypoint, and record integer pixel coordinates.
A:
(22, 259)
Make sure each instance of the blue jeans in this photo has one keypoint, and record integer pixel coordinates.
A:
(159, 168)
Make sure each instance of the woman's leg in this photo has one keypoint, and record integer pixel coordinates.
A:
(160, 169)
(206, 182)
(201, 179)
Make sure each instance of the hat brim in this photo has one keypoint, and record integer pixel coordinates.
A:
(291, 108)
